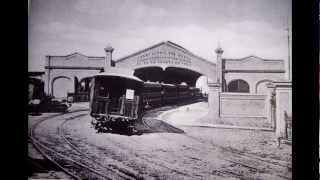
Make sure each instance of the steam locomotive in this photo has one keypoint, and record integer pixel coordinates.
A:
(118, 99)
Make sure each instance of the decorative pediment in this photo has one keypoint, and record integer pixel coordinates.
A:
(254, 63)
(77, 56)
(75, 60)
(167, 54)
(166, 49)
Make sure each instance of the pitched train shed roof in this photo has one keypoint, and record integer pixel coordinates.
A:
(169, 43)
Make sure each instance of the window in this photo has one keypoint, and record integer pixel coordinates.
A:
(238, 86)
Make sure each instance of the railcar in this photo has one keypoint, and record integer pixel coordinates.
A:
(116, 101)
(152, 94)
(183, 92)
(170, 93)
(194, 93)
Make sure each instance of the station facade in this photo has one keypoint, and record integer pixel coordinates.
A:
(242, 88)
(165, 62)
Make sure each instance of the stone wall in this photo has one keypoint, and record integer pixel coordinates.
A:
(242, 105)
(256, 80)
(254, 70)
(62, 72)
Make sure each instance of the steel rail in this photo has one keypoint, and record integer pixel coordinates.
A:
(41, 147)
(125, 175)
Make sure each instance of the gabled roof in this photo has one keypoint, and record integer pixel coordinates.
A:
(169, 43)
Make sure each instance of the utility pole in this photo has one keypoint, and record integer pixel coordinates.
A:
(289, 49)
(289, 64)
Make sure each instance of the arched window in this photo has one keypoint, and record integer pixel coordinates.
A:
(238, 86)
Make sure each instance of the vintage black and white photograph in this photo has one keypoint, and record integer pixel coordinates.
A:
(170, 89)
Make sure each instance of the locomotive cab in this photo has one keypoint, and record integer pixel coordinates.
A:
(115, 100)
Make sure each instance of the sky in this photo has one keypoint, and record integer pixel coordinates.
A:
(241, 27)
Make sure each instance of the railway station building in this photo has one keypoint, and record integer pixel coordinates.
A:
(165, 62)
(241, 88)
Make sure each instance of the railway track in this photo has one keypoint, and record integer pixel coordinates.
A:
(243, 161)
(248, 162)
(70, 159)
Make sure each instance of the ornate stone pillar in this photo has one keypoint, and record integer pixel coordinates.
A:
(214, 101)
(108, 59)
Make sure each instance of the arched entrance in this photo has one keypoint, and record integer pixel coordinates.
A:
(153, 74)
(171, 75)
(261, 87)
(202, 84)
(61, 85)
(238, 85)
(168, 62)
(84, 85)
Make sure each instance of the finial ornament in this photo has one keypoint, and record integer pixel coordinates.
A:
(219, 50)
(108, 48)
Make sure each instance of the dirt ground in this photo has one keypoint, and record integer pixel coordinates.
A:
(192, 153)
(198, 153)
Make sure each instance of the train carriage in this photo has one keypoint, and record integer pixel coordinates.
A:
(183, 92)
(115, 101)
(152, 94)
(169, 93)
(194, 93)
(118, 99)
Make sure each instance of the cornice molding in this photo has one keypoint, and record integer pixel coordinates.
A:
(252, 56)
(73, 67)
(252, 71)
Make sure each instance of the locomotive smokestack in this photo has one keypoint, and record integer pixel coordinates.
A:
(108, 60)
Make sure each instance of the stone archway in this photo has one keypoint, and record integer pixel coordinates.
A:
(169, 75)
(238, 85)
(261, 87)
(168, 56)
(61, 85)
(84, 84)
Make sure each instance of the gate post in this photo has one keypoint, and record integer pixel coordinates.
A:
(214, 101)
(270, 104)
(283, 92)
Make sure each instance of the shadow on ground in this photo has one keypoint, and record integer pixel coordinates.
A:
(151, 125)
(40, 166)
(145, 126)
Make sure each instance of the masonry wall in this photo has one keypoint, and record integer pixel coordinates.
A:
(65, 69)
(256, 81)
(242, 105)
